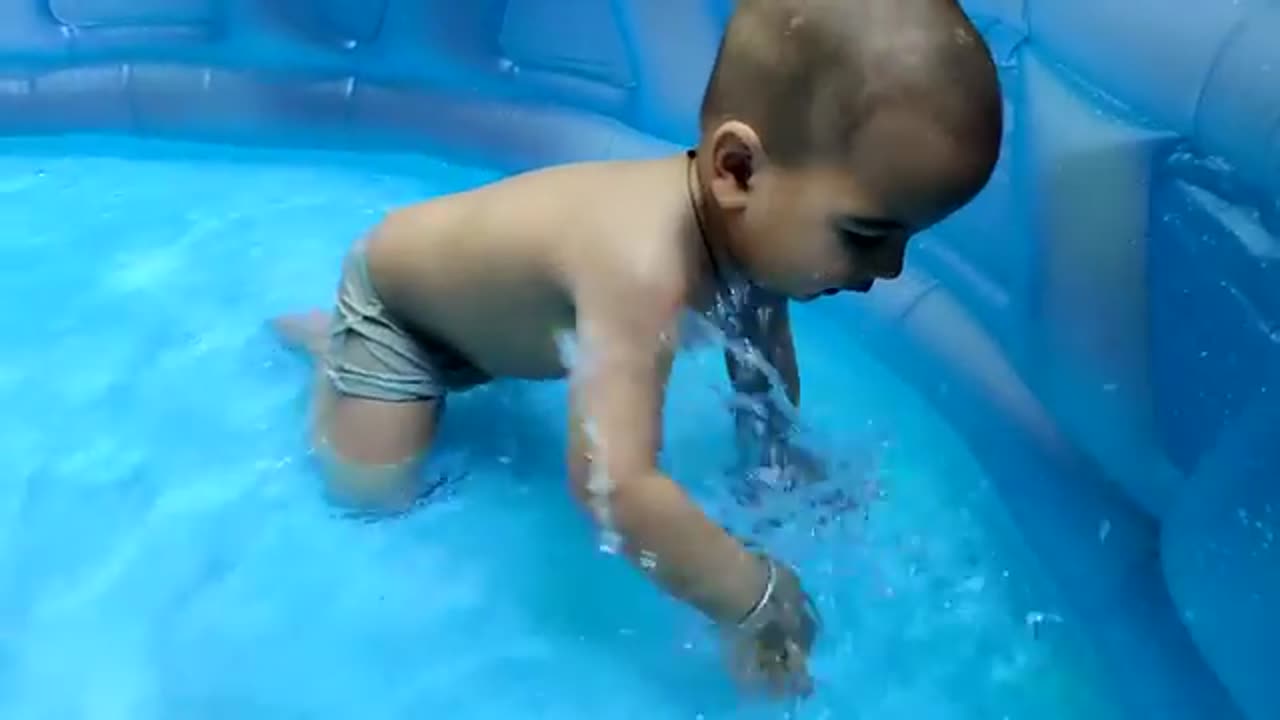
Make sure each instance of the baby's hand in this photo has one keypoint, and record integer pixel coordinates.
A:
(769, 649)
(803, 467)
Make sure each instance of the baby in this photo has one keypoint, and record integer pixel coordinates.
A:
(831, 131)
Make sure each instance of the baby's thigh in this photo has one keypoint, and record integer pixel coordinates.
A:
(373, 451)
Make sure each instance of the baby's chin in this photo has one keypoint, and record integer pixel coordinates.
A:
(861, 287)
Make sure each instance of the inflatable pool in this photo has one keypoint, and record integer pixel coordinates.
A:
(1098, 336)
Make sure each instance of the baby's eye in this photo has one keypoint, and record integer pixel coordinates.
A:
(859, 240)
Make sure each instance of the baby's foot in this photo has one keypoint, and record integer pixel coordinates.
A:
(305, 331)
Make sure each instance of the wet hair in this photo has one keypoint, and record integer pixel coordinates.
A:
(808, 76)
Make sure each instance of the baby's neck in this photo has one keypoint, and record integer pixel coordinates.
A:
(721, 274)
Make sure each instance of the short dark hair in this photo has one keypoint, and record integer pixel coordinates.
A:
(808, 75)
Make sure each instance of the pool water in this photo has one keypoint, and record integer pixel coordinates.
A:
(165, 551)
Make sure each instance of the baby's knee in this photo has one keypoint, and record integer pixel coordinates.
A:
(362, 487)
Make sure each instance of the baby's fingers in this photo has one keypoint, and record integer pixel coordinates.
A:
(789, 675)
(797, 665)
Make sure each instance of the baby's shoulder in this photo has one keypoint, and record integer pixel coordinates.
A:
(632, 211)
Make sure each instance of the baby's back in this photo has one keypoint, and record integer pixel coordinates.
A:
(495, 272)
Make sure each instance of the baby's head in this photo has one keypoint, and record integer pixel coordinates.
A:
(832, 130)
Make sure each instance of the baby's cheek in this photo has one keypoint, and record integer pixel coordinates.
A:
(831, 265)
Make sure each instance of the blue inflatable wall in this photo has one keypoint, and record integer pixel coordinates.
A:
(1102, 324)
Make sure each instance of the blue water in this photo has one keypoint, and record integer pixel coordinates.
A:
(165, 552)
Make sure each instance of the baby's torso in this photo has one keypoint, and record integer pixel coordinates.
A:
(491, 274)
(488, 298)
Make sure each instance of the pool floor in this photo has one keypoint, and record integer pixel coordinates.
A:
(165, 551)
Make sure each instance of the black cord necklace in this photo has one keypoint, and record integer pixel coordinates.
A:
(690, 180)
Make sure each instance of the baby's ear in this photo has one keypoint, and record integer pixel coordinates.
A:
(736, 156)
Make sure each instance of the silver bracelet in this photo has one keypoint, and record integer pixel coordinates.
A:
(765, 597)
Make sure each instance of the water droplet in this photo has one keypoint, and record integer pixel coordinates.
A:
(1035, 620)
(610, 542)
(648, 560)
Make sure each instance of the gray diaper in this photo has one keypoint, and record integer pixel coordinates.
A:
(372, 356)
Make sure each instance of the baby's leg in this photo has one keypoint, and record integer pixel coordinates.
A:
(372, 449)
(378, 393)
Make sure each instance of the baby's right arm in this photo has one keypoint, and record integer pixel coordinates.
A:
(616, 428)
(615, 431)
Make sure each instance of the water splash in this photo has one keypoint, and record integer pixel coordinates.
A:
(600, 485)
(725, 327)
(776, 492)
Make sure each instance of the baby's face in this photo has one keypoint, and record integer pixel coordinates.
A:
(811, 232)
(818, 230)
